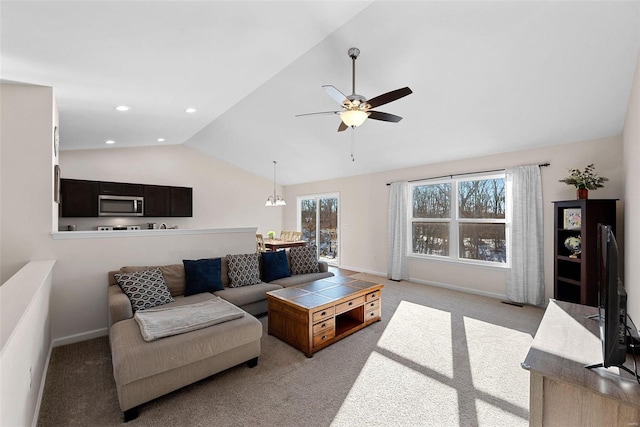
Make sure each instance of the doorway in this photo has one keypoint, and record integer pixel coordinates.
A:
(318, 222)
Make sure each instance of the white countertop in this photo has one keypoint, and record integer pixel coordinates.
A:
(94, 234)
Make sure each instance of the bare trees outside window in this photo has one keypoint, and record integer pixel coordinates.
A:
(474, 228)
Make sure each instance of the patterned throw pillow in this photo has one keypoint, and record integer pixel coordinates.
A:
(304, 259)
(145, 289)
(244, 269)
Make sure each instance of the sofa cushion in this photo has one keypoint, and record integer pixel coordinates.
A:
(274, 266)
(243, 270)
(134, 359)
(202, 275)
(304, 259)
(173, 276)
(246, 295)
(145, 289)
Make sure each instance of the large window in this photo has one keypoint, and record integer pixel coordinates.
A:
(460, 219)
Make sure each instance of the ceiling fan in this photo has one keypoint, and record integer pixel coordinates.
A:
(356, 108)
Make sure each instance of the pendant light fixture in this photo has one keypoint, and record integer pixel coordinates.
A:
(275, 200)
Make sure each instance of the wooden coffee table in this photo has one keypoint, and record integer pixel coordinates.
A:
(312, 316)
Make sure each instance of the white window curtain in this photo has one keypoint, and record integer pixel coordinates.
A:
(398, 220)
(525, 280)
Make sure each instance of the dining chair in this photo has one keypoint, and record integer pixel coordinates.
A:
(285, 235)
(260, 247)
(295, 236)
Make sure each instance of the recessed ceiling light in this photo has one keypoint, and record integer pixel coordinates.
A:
(190, 110)
(122, 108)
(110, 141)
(160, 139)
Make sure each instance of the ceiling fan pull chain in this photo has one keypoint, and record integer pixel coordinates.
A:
(353, 143)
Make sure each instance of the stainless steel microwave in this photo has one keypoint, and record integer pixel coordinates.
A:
(120, 205)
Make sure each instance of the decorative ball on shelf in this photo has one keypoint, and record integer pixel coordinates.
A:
(573, 243)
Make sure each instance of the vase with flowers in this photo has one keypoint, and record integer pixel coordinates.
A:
(584, 180)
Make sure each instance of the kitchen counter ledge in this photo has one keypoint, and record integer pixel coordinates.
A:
(94, 234)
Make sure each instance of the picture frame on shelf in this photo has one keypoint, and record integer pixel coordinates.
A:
(573, 219)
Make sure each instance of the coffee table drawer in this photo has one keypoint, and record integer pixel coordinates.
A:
(370, 305)
(346, 306)
(372, 314)
(373, 296)
(324, 336)
(322, 314)
(324, 325)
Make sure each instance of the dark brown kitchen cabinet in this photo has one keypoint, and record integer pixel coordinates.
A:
(157, 200)
(181, 201)
(164, 201)
(79, 198)
(121, 189)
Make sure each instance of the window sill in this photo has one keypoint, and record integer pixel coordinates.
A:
(488, 266)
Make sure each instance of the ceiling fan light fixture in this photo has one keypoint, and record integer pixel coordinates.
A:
(353, 118)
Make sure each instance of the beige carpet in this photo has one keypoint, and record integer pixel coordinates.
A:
(438, 357)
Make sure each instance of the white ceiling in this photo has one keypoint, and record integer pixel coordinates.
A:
(487, 77)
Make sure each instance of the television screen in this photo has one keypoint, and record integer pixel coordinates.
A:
(612, 304)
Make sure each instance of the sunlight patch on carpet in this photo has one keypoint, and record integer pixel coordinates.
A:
(490, 348)
(389, 393)
(421, 335)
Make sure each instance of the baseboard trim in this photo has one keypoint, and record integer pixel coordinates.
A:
(360, 270)
(71, 339)
(43, 381)
(459, 288)
(436, 284)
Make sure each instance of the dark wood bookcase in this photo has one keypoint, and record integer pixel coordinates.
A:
(576, 278)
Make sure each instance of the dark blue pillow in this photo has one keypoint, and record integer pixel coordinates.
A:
(274, 266)
(202, 275)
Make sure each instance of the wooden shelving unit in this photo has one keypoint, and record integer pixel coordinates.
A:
(576, 279)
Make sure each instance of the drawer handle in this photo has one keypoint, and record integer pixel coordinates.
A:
(324, 337)
(373, 295)
(350, 302)
(372, 314)
(371, 305)
(323, 325)
(323, 313)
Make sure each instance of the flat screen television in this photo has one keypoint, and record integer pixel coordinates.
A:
(612, 301)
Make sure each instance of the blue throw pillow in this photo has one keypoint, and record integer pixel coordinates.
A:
(274, 266)
(202, 275)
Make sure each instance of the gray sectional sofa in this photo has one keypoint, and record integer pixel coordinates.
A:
(144, 370)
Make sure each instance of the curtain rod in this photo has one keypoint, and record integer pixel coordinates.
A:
(542, 165)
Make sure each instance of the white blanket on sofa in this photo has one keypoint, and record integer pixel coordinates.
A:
(162, 322)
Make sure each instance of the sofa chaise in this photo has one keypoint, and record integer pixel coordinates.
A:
(145, 370)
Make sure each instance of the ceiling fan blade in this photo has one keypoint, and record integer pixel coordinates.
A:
(319, 113)
(385, 98)
(338, 96)
(385, 117)
(342, 127)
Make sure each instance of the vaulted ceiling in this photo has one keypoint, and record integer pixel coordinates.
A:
(487, 77)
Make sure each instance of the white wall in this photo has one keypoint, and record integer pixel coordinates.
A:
(364, 204)
(27, 117)
(223, 195)
(631, 158)
(25, 341)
